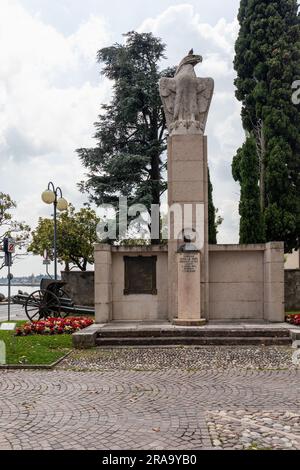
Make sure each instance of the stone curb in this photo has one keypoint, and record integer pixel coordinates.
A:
(295, 335)
(86, 338)
(34, 366)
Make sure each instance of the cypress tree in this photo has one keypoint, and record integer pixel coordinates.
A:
(267, 63)
(245, 169)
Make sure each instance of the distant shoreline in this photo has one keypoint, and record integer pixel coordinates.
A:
(20, 285)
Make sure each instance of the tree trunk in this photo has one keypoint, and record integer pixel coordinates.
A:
(261, 152)
(84, 265)
(262, 170)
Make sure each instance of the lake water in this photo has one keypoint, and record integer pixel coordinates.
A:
(15, 289)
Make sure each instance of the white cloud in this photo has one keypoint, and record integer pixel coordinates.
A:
(173, 15)
(226, 131)
(228, 209)
(36, 105)
(30, 45)
(183, 18)
(216, 66)
(47, 105)
(223, 34)
(87, 38)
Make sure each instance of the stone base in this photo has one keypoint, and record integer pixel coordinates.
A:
(200, 322)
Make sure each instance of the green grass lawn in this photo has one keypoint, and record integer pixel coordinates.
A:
(35, 349)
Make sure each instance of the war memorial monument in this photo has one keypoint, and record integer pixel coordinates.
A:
(188, 282)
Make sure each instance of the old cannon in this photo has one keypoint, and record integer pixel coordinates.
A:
(50, 301)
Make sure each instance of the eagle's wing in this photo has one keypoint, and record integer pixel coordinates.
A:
(205, 91)
(167, 89)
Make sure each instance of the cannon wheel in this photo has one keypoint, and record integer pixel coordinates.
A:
(42, 304)
(63, 295)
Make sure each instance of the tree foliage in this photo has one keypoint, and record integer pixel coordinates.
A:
(9, 227)
(213, 219)
(76, 235)
(131, 129)
(267, 63)
(129, 159)
(245, 169)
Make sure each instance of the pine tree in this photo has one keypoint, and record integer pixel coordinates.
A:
(131, 131)
(267, 63)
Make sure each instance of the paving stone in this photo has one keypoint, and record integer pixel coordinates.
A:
(160, 409)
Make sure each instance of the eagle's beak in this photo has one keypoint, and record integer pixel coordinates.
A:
(196, 59)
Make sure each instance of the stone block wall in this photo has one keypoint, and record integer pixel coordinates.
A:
(236, 287)
(246, 282)
(80, 286)
(110, 302)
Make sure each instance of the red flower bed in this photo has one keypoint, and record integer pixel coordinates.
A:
(54, 326)
(293, 319)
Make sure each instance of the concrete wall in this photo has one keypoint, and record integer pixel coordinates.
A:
(246, 282)
(80, 286)
(292, 289)
(110, 302)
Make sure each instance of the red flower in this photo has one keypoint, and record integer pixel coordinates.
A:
(53, 326)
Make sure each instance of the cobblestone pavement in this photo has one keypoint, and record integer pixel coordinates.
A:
(166, 409)
(187, 358)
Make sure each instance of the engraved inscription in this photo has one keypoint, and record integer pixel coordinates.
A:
(189, 263)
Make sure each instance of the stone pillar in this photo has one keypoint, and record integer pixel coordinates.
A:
(188, 185)
(103, 283)
(274, 282)
(189, 294)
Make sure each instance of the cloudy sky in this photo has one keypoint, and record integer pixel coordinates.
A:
(51, 90)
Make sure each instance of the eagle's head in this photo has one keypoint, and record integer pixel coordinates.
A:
(190, 59)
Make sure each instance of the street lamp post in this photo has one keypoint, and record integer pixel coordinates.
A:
(54, 196)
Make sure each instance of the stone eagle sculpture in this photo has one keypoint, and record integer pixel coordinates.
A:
(186, 98)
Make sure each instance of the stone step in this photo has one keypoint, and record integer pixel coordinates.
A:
(192, 341)
(194, 333)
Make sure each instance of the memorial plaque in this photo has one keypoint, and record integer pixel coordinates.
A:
(140, 275)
